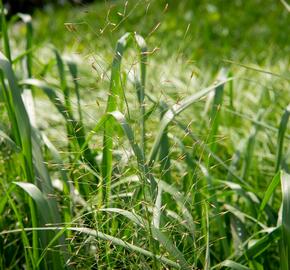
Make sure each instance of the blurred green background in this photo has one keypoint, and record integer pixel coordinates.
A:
(206, 32)
(253, 30)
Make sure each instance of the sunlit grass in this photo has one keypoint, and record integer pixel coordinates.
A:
(139, 157)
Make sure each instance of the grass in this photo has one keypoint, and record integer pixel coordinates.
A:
(167, 152)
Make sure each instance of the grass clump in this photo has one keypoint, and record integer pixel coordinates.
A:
(166, 169)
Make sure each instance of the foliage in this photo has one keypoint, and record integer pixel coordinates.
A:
(144, 159)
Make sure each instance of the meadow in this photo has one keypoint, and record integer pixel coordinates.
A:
(146, 135)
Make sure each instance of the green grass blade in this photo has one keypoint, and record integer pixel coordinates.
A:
(181, 200)
(171, 248)
(67, 186)
(174, 111)
(113, 240)
(126, 180)
(40, 201)
(285, 237)
(140, 87)
(253, 200)
(4, 199)
(78, 133)
(270, 190)
(231, 92)
(243, 216)
(164, 156)
(116, 93)
(23, 125)
(29, 34)
(232, 265)
(43, 181)
(263, 243)
(128, 214)
(21, 130)
(281, 135)
(255, 246)
(157, 209)
(238, 231)
(205, 229)
(45, 217)
(215, 111)
(62, 78)
(7, 140)
(29, 256)
(211, 193)
(249, 149)
(120, 120)
(261, 124)
(173, 215)
(74, 73)
(197, 140)
(57, 158)
(51, 94)
(4, 30)
(145, 173)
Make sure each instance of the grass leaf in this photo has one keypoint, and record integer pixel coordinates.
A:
(285, 239)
